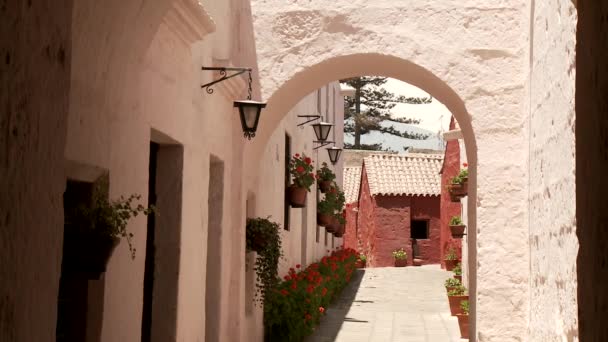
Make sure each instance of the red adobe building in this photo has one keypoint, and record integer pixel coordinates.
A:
(398, 206)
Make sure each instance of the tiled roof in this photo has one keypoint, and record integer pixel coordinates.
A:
(407, 174)
(352, 181)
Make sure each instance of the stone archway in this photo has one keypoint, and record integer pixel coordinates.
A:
(468, 57)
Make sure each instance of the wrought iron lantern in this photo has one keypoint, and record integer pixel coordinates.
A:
(322, 130)
(334, 154)
(249, 110)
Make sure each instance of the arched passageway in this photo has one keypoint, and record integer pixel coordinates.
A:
(457, 59)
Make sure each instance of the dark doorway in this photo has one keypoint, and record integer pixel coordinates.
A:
(163, 239)
(419, 229)
(213, 293)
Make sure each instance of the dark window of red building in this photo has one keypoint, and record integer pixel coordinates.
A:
(419, 229)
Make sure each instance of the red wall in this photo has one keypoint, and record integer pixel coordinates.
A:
(350, 239)
(451, 167)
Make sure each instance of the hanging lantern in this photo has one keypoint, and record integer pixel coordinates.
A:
(322, 130)
(249, 112)
(334, 154)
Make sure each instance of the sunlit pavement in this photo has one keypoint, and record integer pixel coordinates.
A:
(391, 305)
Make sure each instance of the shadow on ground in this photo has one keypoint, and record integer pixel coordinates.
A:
(338, 310)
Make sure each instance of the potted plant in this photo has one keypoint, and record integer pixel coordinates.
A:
(263, 237)
(326, 209)
(457, 186)
(458, 272)
(451, 259)
(451, 283)
(93, 232)
(325, 177)
(456, 227)
(340, 223)
(400, 257)
(361, 261)
(455, 296)
(463, 319)
(300, 168)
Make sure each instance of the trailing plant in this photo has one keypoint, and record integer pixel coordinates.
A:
(295, 306)
(301, 168)
(325, 174)
(399, 254)
(457, 291)
(267, 260)
(451, 282)
(451, 255)
(109, 218)
(464, 305)
(457, 270)
(455, 221)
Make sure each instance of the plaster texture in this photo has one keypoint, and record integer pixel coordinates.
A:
(552, 216)
(468, 55)
(591, 165)
(35, 45)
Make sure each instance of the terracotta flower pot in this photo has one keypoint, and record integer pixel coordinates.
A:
(455, 308)
(400, 262)
(324, 219)
(338, 235)
(332, 227)
(459, 277)
(360, 263)
(450, 264)
(324, 186)
(457, 231)
(449, 288)
(296, 196)
(463, 324)
(417, 262)
(87, 253)
(457, 191)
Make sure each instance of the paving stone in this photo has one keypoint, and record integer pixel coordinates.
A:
(391, 305)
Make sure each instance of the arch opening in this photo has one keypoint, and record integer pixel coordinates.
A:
(288, 94)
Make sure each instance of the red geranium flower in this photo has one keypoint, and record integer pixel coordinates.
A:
(298, 266)
(321, 309)
(284, 292)
(300, 169)
(465, 164)
(307, 160)
(297, 155)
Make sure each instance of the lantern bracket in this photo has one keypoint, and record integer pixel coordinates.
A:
(309, 118)
(224, 76)
(323, 143)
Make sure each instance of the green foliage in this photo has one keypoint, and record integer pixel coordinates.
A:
(451, 282)
(399, 254)
(451, 255)
(294, 308)
(267, 260)
(455, 221)
(301, 168)
(457, 270)
(325, 173)
(333, 202)
(460, 178)
(457, 291)
(464, 305)
(371, 106)
(362, 257)
(109, 218)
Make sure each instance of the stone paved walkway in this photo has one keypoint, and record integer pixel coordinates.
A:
(391, 305)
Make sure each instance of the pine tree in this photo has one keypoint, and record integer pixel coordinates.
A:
(377, 103)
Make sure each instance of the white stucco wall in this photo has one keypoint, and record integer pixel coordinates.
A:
(552, 221)
(469, 55)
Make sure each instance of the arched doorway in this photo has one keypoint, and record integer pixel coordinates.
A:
(482, 262)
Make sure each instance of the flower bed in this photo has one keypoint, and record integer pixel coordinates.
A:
(294, 308)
